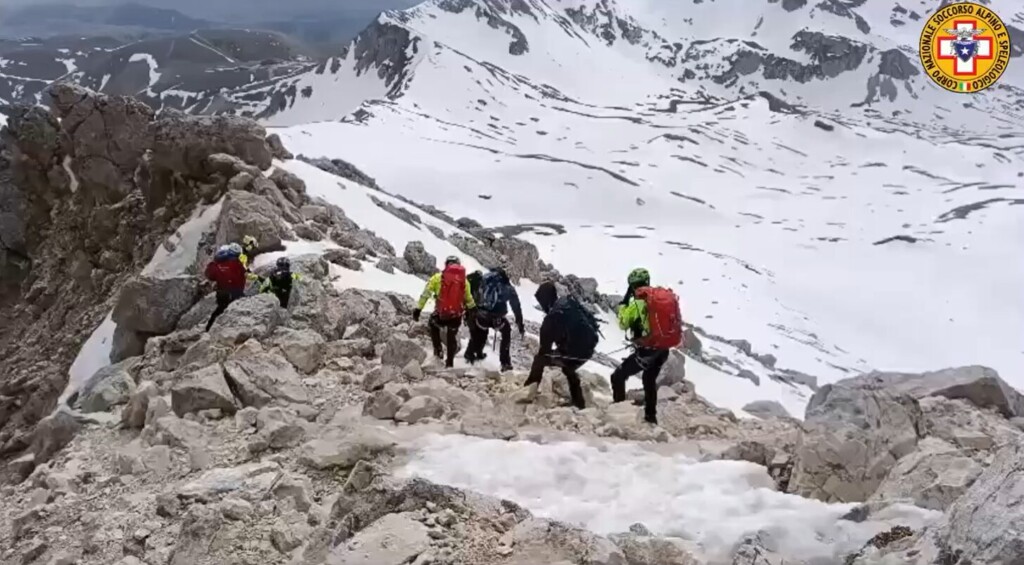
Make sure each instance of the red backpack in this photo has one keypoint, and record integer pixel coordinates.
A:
(452, 295)
(663, 317)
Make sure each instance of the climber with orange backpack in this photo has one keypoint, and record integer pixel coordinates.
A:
(453, 298)
(654, 325)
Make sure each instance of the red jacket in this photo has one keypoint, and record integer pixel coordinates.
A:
(229, 275)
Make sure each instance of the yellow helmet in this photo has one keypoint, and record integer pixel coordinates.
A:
(249, 242)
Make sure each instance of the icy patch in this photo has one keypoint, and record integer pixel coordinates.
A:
(606, 490)
(94, 355)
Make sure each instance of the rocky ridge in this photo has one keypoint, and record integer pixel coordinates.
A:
(276, 437)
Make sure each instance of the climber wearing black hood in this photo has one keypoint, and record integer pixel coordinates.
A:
(495, 294)
(573, 331)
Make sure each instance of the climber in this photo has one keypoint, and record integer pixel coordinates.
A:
(280, 281)
(228, 273)
(453, 297)
(651, 318)
(573, 330)
(496, 292)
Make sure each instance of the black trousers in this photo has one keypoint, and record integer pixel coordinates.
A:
(283, 295)
(478, 337)
(224, 299)
(648, 362)
(451, 328)
(568, 366)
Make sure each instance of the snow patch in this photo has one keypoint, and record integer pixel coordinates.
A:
(71, 174)
(607, 489)
(154, 75)
(94, 355)
(177, 255)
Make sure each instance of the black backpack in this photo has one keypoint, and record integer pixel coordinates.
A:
(281, 280)
(580, 326)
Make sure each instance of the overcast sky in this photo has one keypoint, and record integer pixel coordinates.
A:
(245, 10)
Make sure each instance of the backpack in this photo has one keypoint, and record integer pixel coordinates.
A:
(452, 294)
(580, 326)
(492, 294)
(663, 317)
(281, 280)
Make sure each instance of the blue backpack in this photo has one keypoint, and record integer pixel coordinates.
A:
(492, 294)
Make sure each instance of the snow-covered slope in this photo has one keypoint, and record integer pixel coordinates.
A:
(835, 235)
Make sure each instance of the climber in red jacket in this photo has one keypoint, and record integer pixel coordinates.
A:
(228, 273)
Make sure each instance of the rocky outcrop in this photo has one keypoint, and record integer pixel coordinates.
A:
(418, 260)
(852, 438)
(980, 386)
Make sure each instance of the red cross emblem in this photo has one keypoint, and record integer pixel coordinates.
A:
(946, 50)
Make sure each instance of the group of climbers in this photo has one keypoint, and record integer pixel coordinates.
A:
(231, 272)
(569, 333)
(481, 301)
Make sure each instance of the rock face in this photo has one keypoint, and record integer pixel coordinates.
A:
(87, 193)
(933, 476)
(852, 438)
(984, 525)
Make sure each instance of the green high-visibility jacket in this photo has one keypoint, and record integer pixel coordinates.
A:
(633, 318)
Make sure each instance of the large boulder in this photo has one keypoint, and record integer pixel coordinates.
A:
(933, 476)
(345, 447)
(978, 385)
(251, 317)
(108, 387)
(395, 539)
(852, 438)
(260, 378)
(520, 258)
(418, 408)
(245, 213)
(303, 348)
(399, 351)
(182, 142)
(419, 261)
(205, 389)
(154, 304)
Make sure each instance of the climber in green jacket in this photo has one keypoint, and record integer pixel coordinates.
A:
(648, 356)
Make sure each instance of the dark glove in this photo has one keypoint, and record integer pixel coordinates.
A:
(416, 315)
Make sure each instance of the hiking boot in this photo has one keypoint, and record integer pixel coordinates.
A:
(652, 420)
(449, 363)
(506, 368)
(439, 354)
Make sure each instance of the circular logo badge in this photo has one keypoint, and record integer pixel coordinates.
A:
(964, 47)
